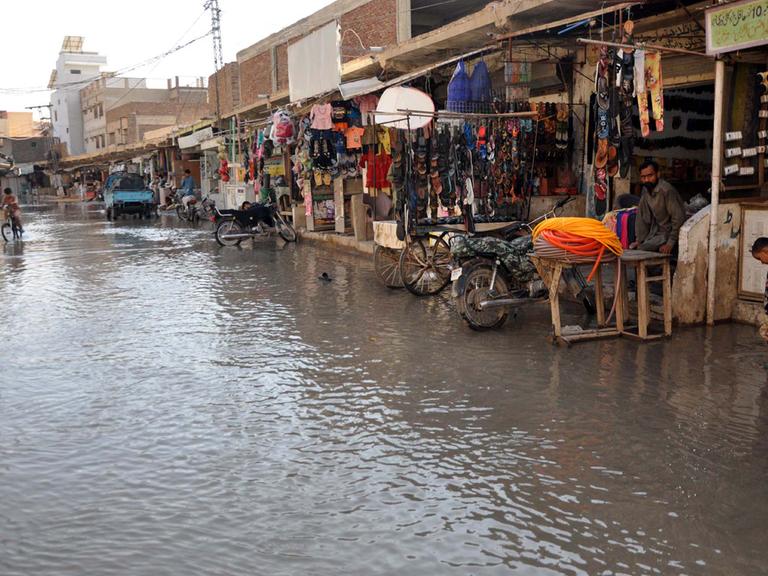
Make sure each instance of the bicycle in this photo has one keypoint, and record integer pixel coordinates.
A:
(10, 229)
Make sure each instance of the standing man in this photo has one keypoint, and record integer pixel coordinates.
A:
(187, 188)
(760, 252)
(660, 214)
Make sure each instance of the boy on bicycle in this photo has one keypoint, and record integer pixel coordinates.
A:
(10, 203)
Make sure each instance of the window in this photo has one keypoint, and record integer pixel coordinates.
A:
(33, 144)
(67, 130)
(74, 71)
(101, 110)
(101, 140)
(55, 116)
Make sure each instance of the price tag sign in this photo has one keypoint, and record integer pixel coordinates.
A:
(736, 26)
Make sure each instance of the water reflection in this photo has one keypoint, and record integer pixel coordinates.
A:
(169, 406)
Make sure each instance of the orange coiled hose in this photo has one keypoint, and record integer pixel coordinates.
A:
(582, 237)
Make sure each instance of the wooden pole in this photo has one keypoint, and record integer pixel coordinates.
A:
(717, 157)
(643, 46)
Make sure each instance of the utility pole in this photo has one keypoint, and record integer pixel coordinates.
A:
(218, 59)
(54, 154)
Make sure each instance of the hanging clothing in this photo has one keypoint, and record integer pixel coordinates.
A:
(377, 170)
(321, 117)
(367, 104)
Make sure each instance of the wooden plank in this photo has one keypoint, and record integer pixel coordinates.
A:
(619, 295)
(642, 301)
(599, 300)
(554, 298)
(667, 295)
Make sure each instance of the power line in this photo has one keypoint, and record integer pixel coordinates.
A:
(86, 81)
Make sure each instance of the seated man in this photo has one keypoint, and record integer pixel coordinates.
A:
(11, 203)
(660, 214)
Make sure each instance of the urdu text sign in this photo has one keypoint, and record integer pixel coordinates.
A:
(737, 26)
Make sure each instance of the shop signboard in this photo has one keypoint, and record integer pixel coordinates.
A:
(754, 224)
(195, 138)
(737, 26)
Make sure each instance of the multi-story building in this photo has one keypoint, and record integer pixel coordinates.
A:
(110, 99)
(74, 69)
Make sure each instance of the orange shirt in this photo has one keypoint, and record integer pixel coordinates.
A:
(354, 138)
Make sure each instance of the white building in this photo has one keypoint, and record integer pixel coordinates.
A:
(74, 70)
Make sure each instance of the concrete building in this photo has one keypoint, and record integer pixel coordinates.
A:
(74, 69)
(109, 99)
(17, 125)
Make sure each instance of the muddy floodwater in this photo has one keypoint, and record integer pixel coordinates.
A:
(170, 407)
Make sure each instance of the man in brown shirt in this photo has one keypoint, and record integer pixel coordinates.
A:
(660, 214)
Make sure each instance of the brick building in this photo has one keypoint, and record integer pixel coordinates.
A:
(229, 89)
(127, 123)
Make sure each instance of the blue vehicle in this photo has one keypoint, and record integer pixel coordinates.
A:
(126, 193)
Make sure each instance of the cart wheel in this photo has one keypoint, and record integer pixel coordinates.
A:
(386, 264)
(426, 269)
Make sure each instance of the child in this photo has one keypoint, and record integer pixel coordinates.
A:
(760, 252)
(10, 202)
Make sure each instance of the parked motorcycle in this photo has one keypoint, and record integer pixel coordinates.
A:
(234, 226)
(492, 275)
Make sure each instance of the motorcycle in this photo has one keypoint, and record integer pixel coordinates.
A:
(492, 276)
(234, 226)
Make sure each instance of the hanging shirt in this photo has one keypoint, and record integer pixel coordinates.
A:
(321, 116)
(366, 104)
(377, 169)
(383, 136)
(354, 138)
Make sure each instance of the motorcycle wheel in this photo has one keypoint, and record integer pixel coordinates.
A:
(7, 232)
(224, 229)
(477, 284)
(181, 212)
(386, 264)
(285, 230)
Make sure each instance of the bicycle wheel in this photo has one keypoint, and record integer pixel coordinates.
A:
(285, 230)
(386, 264)
(7, 232)
(225, 230)
(425, 269)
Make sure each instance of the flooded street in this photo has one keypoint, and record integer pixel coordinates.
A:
(171, 407)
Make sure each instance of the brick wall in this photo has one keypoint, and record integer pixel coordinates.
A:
(282, 67)
(375, 23)
(255, 77)
(183, 113)
(229, 88)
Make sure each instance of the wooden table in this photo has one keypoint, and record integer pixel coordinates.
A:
(551, 271)
(641, 261)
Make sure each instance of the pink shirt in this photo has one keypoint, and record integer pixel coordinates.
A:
(321, 116)
(366, 104)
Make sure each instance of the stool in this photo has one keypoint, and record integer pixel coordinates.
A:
(640, 261)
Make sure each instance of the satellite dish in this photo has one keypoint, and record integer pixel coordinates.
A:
(393, 100)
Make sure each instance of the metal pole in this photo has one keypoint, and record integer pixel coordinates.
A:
(717, 156)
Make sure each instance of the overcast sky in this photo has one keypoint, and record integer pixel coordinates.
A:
(128, 33)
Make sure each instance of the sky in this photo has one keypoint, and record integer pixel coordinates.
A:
(128, 33)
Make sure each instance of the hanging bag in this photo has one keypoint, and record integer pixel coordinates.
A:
(459, 91)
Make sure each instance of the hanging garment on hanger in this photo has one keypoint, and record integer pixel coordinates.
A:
(654, 84)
